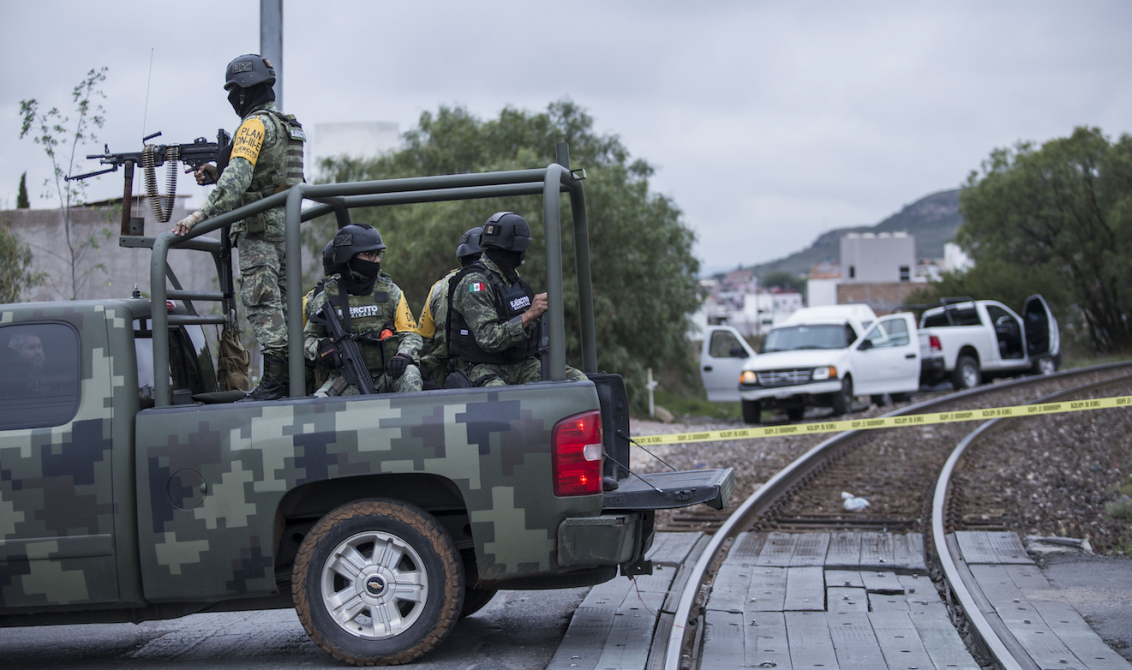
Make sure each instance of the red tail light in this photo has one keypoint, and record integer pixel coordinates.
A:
(934, 341)
(578, 455)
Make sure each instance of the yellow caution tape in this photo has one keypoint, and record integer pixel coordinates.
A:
(886, 421)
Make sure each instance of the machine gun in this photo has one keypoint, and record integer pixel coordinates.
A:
(353, 368)
(200, 152)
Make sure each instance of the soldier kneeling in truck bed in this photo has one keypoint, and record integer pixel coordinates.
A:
(493, 321)
(378, 318)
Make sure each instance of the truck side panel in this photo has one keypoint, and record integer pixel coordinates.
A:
(60, 541)
(211, 478)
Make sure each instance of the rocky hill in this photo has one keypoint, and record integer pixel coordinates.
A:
(933, 221)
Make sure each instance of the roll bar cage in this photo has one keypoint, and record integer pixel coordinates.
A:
(551, 182)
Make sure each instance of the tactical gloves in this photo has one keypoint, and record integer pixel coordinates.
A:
(188, 222)
(328, 353)
(395, 367)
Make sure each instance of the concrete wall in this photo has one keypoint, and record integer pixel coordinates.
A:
(882, 297)
(44, 232)
(820, 292)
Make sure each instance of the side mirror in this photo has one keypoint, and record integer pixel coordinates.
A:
(865, 345)
(737, 352)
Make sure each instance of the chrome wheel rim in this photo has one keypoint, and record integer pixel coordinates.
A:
(970, 376)
(374, 585)
(1046, 366)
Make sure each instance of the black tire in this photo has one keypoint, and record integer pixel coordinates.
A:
(365, 530)
(901, 397)
(752, 411)
(843, 399)
(882, 400)
(795, 413)
(967, 374)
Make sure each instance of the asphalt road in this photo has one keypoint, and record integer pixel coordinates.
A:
(516, 630)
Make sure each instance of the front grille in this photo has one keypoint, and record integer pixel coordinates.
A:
(784, 377)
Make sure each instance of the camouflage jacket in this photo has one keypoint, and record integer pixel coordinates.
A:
(433, 320)
(263, 158)
(369, 314)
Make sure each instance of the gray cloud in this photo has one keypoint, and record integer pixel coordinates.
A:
(769, 123)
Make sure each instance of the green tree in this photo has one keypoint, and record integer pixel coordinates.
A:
(15, 266)
(787, 281)
(61, 142)
(644, 273)
(1059, 215)
(22, 194)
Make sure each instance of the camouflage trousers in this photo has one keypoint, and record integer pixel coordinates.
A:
(383, 383)
(523, 372)
(263, 290)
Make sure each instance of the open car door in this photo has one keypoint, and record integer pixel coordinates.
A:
(1043, 339)
(724, 354)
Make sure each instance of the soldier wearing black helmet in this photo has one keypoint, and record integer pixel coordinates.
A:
(493, 315)
(434, 314)
(266, 158)
(376, 314)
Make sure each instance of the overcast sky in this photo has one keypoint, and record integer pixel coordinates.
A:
(769, 123)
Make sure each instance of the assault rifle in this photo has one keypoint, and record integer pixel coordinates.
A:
(196, 154)
(353, 367)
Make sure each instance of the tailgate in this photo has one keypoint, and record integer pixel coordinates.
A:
(666, 490)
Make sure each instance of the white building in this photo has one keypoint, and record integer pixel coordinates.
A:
(877, 257)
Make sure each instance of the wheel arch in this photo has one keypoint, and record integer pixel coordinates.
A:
(971, 352)
(304, 505)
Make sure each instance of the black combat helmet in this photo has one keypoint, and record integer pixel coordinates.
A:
(247, 71)
(470, 243)
(354, 239)
(328, 258)
(507, 231)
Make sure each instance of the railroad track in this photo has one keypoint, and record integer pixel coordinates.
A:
(898, 471)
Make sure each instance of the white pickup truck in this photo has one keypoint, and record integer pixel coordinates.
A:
(820, 356)
(982, 339)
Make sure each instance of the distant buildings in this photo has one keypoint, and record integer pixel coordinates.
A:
(738, 301)
(878, 269)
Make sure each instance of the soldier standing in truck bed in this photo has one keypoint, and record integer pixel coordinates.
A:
(267, 158)
(493, 321)
(377, 314)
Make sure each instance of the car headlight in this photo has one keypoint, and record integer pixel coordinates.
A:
(823, 373)
(748, 377)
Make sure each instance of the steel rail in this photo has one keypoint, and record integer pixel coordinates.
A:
(683, 621)
(996, 638)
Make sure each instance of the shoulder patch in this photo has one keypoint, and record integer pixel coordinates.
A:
(248, 141)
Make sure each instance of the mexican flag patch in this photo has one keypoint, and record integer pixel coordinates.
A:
(477, 286)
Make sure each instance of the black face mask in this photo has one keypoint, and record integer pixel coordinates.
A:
(243, 99)
(507, 261)
(362, 275)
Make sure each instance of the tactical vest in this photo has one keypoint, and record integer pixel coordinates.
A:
(370, 315)
(280, 165)
(510, 302)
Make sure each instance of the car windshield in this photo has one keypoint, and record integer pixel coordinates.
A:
(793, 338)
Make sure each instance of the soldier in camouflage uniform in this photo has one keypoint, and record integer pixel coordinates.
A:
(378, 316)
(267, 158)
(493, 315)
(434, 314)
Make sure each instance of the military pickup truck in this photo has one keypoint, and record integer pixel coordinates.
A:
(127, 495)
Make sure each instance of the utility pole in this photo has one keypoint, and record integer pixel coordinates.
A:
(271, 41)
